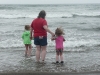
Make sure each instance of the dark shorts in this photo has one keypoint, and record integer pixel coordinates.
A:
(41, 42)
(60, 51)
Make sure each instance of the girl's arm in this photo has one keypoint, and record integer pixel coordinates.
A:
(64, 39)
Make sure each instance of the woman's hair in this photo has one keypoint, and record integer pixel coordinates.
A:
(42, 14)
(59, 32)
(27, 27)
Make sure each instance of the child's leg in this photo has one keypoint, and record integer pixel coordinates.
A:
(26, 51)
(57, 56)
(61, 56)
(30, 50)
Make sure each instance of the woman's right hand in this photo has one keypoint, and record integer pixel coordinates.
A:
(31, 37)
(53, 35)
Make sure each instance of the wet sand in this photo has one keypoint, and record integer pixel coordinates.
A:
(13, 62)
(47, 73)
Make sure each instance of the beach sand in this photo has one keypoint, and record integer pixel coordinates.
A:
(13, 62)
(49, 73)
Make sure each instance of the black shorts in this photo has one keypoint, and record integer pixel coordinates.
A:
(59, 51)
(41, 42)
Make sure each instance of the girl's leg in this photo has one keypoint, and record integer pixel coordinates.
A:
(30, 50)
(61, 57)
(43, 54)
(38, 50)
(26, 51)
(57, 56)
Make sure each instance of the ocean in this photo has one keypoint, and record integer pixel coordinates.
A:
(81, 25)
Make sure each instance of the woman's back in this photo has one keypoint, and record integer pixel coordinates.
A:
(37, 25)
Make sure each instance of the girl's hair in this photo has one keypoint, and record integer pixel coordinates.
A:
(59, 32)
(27, 27)
(42, 14)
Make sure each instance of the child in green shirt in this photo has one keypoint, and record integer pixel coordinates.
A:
(27, 41)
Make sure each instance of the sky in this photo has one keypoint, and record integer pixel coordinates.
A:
(47, 1)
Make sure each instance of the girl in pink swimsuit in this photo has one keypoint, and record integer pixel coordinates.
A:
(59, 39)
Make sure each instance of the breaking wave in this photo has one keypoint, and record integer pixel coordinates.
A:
(56, 15)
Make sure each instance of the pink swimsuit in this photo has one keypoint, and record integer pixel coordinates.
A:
(59, 42)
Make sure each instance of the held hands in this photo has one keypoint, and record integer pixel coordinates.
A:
(31, 38)
(53, 37)
(53, 34)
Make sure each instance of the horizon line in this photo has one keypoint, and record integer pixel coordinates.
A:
(46, 3)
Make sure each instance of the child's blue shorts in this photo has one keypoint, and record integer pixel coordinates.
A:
(41, 42)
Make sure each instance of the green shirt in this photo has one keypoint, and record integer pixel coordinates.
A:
(26, 37)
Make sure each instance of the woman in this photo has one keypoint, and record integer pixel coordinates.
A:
(40, 28)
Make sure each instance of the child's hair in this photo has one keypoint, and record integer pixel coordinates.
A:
(27, 27)
(59, 32)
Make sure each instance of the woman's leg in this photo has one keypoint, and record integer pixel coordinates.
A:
(38, 51)
(43, 54)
